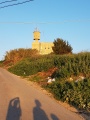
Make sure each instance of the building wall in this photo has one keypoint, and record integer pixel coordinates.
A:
(46, 47)
(43, 47)
(36, 45)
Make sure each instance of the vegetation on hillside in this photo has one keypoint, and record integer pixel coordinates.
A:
(30, 66)
(1, 63)
(68, 65)
(13, 56)
(75, 92)
(68, 85)
(61, 47)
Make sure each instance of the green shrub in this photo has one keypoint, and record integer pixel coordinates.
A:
(67, 65)
(28, 67)
(74, 93)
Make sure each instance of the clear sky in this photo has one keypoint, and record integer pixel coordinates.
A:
(66, 19)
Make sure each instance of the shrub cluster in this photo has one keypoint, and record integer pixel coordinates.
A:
(31, 66)
(18, 54)
(67, 65)
(74, 93)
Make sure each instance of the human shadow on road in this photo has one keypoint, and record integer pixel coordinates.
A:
(54, 117)
(38, 112)
(14, 109)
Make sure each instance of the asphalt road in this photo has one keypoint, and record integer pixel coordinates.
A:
(21, 101)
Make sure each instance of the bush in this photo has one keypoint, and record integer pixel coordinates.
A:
(28, 67)
(68, 65)
(61, 47)
(19, 54)
(74, 93)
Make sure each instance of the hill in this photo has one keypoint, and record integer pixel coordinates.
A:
(71, 73)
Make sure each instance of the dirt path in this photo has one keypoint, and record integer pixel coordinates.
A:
(20, 100)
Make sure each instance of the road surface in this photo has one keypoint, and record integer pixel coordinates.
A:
(21, 101)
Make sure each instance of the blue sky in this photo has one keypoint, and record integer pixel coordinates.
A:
(66, 19)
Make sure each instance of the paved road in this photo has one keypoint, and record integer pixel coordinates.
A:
(21, 101)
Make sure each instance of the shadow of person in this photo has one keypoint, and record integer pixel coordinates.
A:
(54, 117)
(38, 113)
(14, 110)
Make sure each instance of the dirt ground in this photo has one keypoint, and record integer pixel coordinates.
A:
(21, 100)
(84, 114)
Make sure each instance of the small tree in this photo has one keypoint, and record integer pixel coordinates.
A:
(61, 47)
